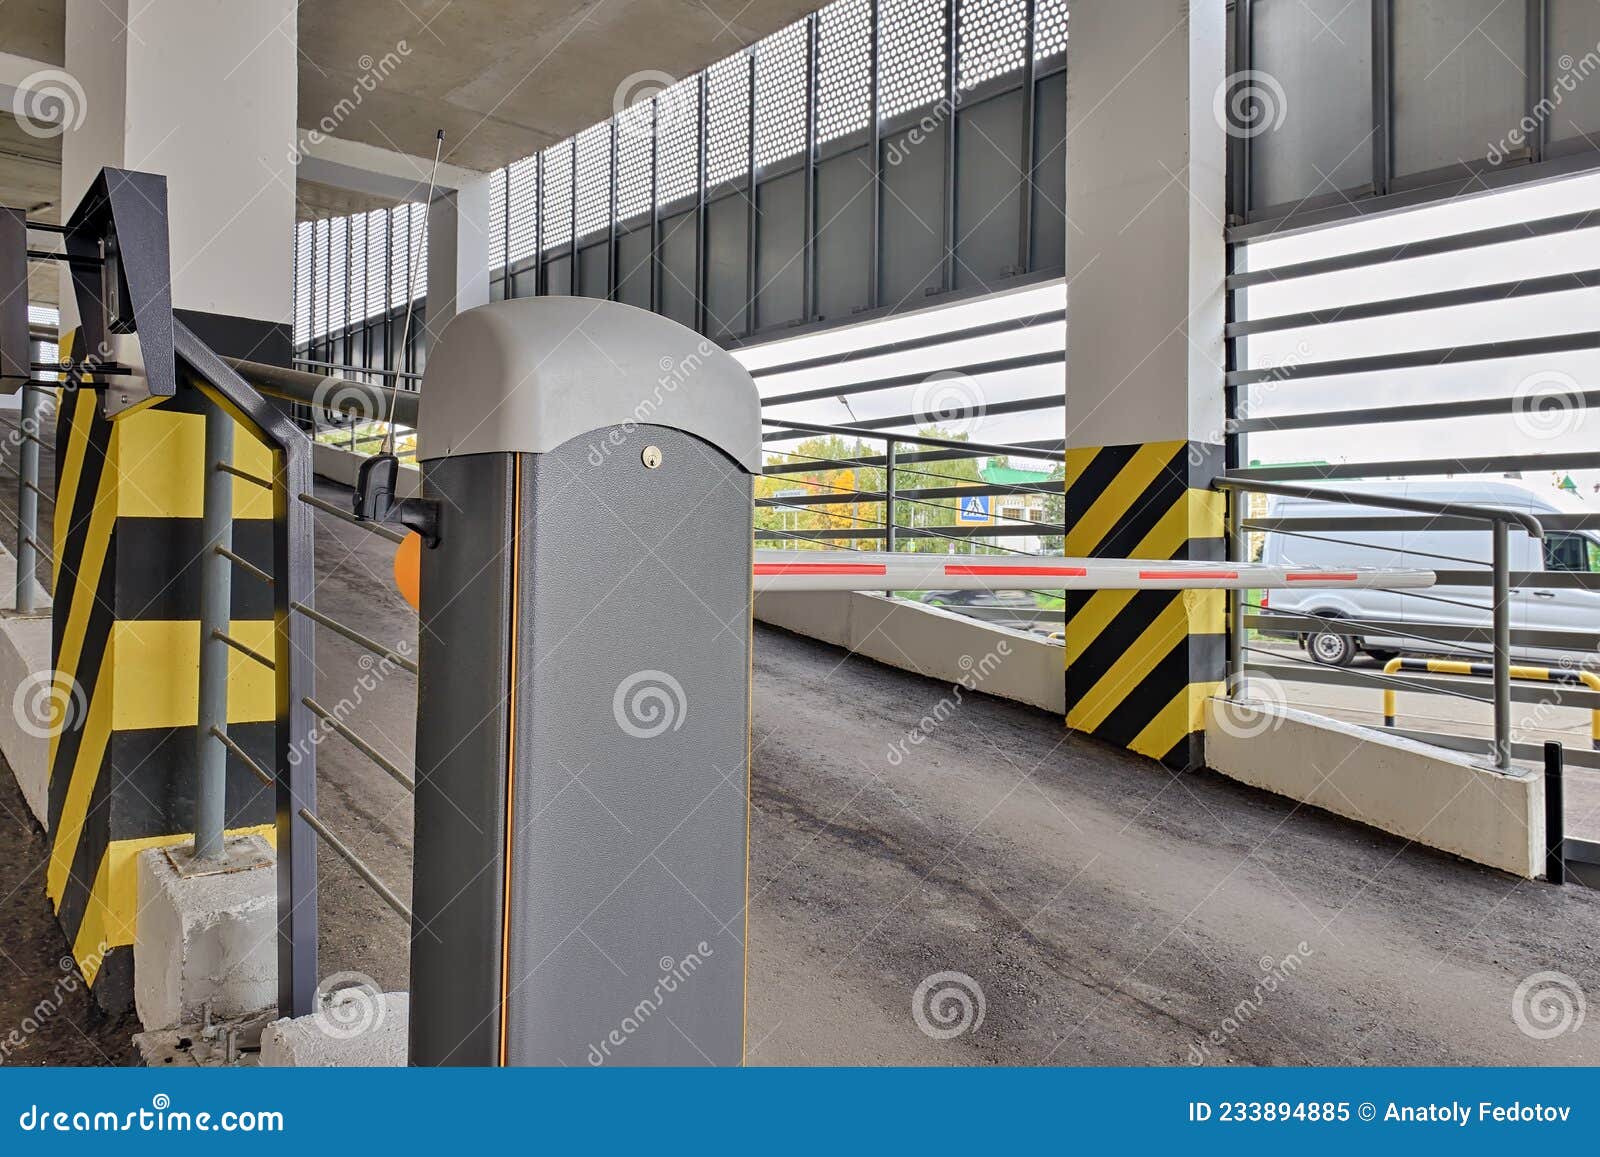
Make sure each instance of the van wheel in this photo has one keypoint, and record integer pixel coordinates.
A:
(1332, 650)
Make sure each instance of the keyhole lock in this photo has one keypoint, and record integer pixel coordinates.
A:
(651, 457)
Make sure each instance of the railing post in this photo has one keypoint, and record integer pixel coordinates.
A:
(1502, 645)
(889, 538)
(1238, 548)
(216, 599)
(1555, 828)
(28, 497)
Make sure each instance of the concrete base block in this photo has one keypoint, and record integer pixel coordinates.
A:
(26, 687)
(1439, 798)
(358, 1027)
(206, 941)
(927, 640)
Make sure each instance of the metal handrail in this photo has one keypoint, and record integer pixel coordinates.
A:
(1499, 521)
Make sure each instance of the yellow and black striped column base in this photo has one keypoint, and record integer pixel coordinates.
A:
(125, 645)
(1140, 664)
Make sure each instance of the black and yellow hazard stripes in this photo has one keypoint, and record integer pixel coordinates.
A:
(1140, 664)
(126, 638)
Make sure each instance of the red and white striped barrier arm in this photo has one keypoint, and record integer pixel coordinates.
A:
(850, 570)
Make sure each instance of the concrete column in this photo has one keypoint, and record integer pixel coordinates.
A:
(458, 253)
(203, 92)
(1145, 269)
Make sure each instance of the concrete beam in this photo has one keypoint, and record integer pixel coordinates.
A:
(372, 171)
(17, 72)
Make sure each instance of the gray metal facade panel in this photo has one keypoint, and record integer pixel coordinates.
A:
(1571, 62)
(1316, 116)
(558, 276)
(727, 257)
(913, 246)
(1049, 241)
(679, 240)
(593, 263)
(464, 645)
(633, 268)
(618, 882)
(780, 268)
(988, 201)
(844, 233)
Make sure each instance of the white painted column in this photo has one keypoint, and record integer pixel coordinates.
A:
(1145, 295)
(458, 252)
(203, 92)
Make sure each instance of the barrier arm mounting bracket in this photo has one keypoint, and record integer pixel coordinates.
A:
(377, 480)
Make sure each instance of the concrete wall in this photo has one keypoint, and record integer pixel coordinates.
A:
(1436, 797)
(340, 466)
(929, 641)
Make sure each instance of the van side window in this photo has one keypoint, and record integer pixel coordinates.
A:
(1571, 552)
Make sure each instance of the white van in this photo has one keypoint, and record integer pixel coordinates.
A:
(1532, 608)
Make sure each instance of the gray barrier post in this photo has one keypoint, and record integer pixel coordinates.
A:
(583, 706)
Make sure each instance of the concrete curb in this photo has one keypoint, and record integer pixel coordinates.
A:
(358, 1028)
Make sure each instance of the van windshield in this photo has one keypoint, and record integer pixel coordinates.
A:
(1571, 552)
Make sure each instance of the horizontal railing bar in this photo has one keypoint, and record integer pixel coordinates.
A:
(244, 650)
(1364, 522)
(1429, 555)
(230, 468)
(34, 486)
(973, 449)
(357, 865)
(1248, 481)
(1445, 299)
(1311, 672)
(256, 769)
(1017, 406)
(354, 636)
(1419, 359)
(246, 565)
(1580, 400)
(377, 528)
(360, 744)
(407, 374)
(1488, 464)
(916, 343)
(993, 490)
(1405, 251)
(1562, 579)
(974, 369)
(1298, 624)
(1573, 755)
(1012, 530)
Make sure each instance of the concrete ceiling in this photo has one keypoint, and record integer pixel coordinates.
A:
(503, 78)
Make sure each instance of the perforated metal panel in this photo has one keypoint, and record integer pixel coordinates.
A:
(1049, 28)
(634, 136)
(497, 217)
(557, 207)
(728, 111)
(678, 127)
(319, 305)
(302, 281)
(911, 69)
(377, 224)
(781, 95)
(844, 76)
(993, 39)
(594, 178)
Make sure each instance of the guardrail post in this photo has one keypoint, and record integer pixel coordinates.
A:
(1502, 644)
(1238, 551)
(216, 598)
(28, 496)
(889, 538)
(1555, 834)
